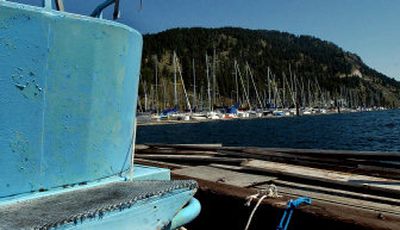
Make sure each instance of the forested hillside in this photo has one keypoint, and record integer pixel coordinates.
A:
(271, 65)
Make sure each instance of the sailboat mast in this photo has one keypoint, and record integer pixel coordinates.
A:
(175, 89)
(254, 86)
(145, 96)
(201, 102)
(291, 79)
(269, 86)
(243, 86)
(298, 94)
(194, 85)
(214, 80)
(189, 107)
(273, 80)
(208, 85)
(165, 95)
(236, 82)
(156, 76)
(284, 100)
(309, 93)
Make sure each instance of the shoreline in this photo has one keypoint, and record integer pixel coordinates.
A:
(176, 122)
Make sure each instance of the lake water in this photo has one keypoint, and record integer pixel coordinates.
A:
(374, 131)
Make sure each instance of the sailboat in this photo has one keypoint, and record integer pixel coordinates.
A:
(258, 111)
(211, 113)
(196, 114)
(69, 87)
(181, 115)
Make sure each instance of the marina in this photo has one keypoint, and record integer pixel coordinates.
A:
(251, 96)
(182, 118)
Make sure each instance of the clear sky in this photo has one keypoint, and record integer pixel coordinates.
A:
(370, 28)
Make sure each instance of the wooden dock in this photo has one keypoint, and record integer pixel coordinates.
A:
(350, 190)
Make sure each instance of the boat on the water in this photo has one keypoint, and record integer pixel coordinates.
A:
(68, 92)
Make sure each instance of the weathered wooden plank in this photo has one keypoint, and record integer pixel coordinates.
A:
(332, 153)
(380, 171)
(368, 183)
(283, 157)
(139, 147)
(159, 163)
(300, 152)
(375, 162)
(362, 166)
(188, 146)
(260, 153)
(345, 201)
(223, 176)
(193, 158)
(337, 192)
(227, 167)
(177, 152)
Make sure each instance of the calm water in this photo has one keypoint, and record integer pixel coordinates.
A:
(355, 131)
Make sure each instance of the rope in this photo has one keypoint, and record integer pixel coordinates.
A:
(270, 192)
(254, 211)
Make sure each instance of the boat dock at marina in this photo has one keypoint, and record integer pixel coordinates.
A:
(349, 189)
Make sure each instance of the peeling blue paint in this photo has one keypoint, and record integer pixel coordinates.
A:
(20, 87)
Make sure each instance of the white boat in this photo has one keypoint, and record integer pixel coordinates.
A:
(278, 113)
(214, 115)
(243, 114)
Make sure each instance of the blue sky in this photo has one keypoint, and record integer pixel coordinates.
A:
(370, 28)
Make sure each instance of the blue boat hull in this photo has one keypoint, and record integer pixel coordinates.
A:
(68, 97)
